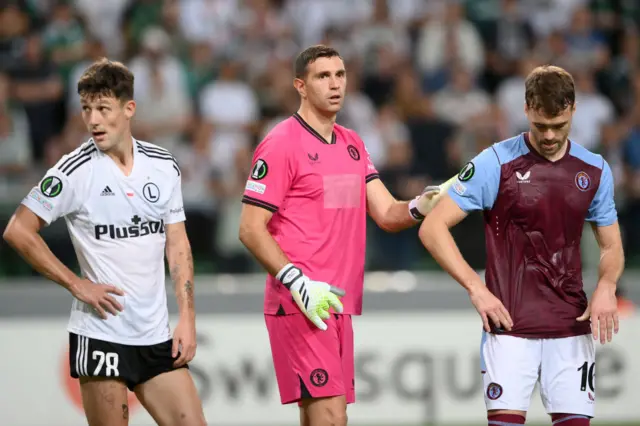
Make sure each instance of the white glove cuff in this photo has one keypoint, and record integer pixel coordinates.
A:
(288, 275)
(413, 210)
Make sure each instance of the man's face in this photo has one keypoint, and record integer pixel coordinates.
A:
(324, 85)
(550, 134)
(107, 119)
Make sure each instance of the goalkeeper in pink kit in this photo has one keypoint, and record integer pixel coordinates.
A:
(304, 219)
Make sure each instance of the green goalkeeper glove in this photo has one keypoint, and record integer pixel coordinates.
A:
(314, 298)
(420, 206)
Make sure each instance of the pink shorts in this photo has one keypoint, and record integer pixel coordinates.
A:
(309, 362)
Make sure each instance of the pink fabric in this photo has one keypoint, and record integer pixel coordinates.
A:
(310, 363)
(317, 192)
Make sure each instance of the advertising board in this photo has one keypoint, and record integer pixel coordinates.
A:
(410, 368)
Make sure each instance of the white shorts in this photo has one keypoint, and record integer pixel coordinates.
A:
(565, 367)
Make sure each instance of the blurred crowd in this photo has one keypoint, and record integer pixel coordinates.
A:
(430, 84)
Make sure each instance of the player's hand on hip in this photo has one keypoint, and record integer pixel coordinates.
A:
(99, 296)
(184, 342)
(603, 311)
(490, 308)
(314, 298)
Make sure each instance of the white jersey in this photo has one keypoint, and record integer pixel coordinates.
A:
(116, 224)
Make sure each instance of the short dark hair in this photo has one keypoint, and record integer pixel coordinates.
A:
(309, 55)
(107, 78)
(550, 89)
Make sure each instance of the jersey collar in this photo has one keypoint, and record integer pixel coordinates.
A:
(532, 150)
(136, 158)
(311, 130)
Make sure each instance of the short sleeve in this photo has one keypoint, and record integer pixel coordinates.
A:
(271, 175)
(175, 210)
(54, 197)
(602, 210)
(372, 172)
(478, 182)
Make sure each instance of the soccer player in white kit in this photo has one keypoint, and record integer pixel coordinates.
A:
(122, 202)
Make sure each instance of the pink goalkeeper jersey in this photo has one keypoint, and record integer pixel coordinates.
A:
(317, 193)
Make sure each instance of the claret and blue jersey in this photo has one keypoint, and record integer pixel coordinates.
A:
(534, 212)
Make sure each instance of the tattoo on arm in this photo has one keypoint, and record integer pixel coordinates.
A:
(188, 291)
(188, 286)
(181, 270)
(175, 270)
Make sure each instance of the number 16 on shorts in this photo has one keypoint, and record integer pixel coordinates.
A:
(588, 376)
(564, 367)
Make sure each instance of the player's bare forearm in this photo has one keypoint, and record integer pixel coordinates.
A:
(397, 217)
(388, 213)
(436, 237)
(611, 264)
(265, 249)
(22, 235)
(393, 215)
(180, 261)
(256, 238)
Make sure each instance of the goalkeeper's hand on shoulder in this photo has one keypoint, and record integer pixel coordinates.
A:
(314, 298)
(420, 206)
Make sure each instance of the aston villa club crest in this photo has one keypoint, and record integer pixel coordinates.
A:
(319, 377)
(353, 152)
(494, 391)
(583, 181)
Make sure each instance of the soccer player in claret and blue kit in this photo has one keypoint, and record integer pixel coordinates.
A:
(304, 219)
(536, 190)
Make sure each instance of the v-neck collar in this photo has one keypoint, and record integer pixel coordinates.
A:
(136, 159)
(541, 157)
(311, 130)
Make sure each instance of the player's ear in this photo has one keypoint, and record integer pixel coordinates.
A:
(299, 85)
(130, 109)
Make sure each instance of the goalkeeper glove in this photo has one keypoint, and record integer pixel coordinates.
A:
(420, 206)
(314, 298)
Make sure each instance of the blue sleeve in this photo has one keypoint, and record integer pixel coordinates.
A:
(478, 182)
(603, 208)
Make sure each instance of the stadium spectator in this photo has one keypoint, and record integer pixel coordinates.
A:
(15, 152)
(448, 40)
(64, 39)
(594, 110)
(408, 58)
(14, 25)
(164, 105)
(632, 166)
(36, 84)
